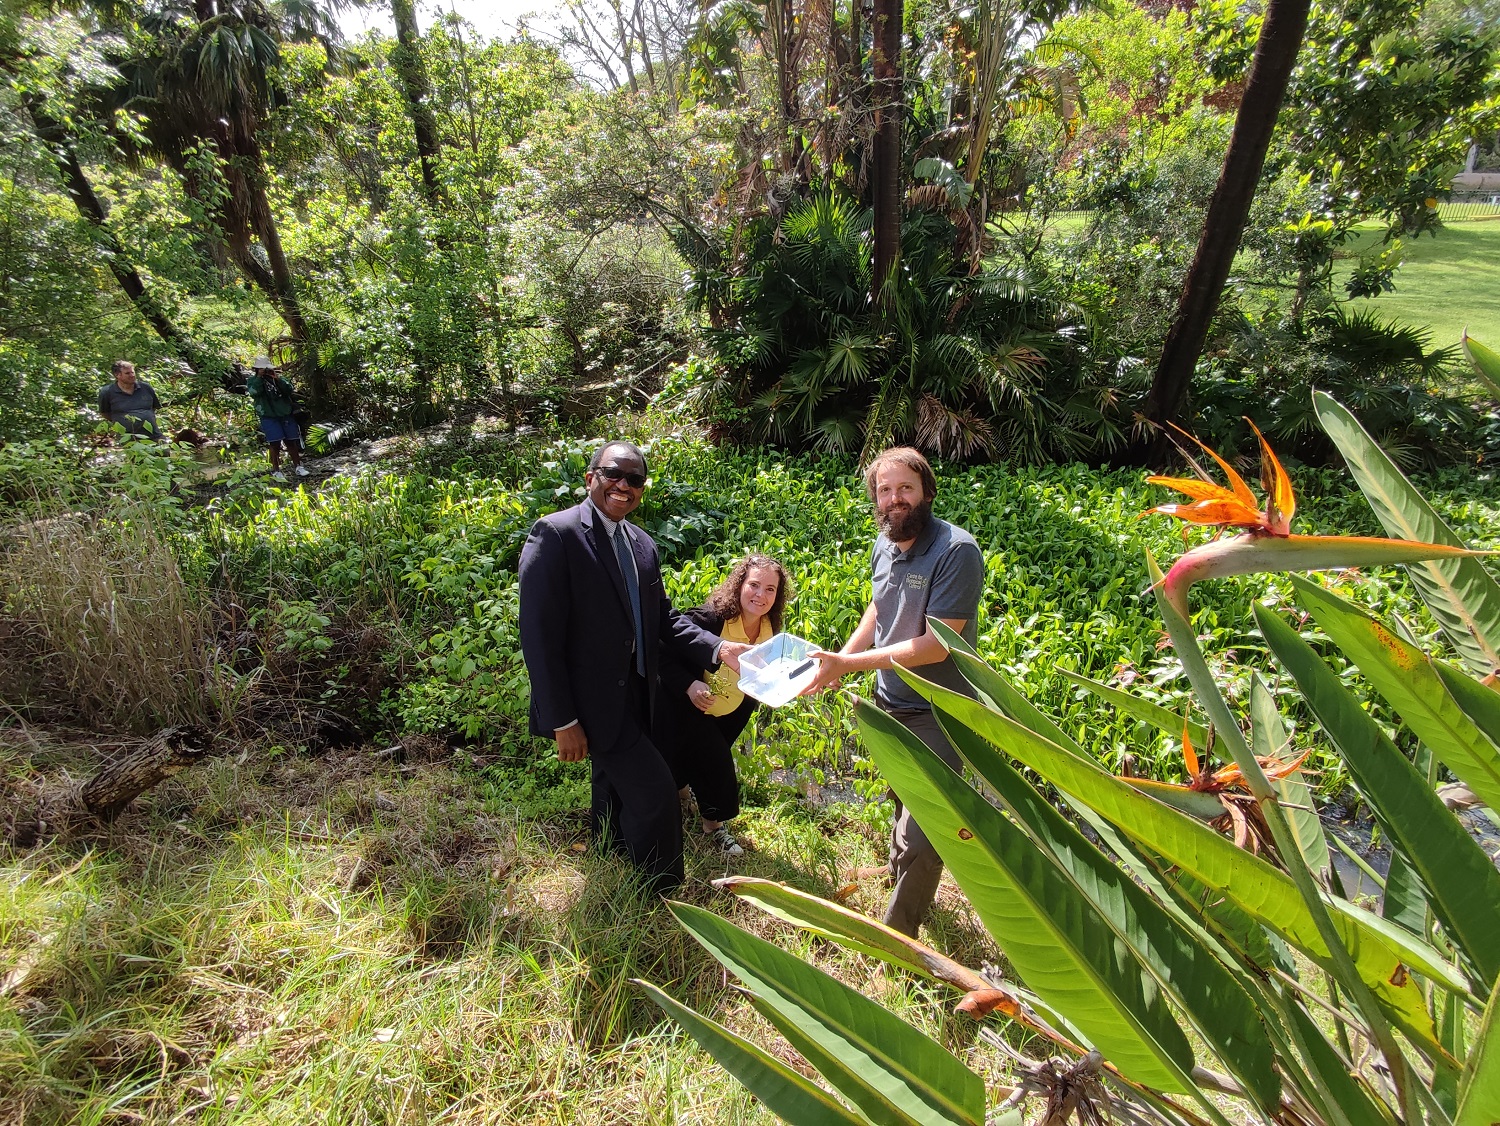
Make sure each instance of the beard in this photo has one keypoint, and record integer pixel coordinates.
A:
(901, 523)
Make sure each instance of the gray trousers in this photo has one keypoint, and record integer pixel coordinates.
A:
(915, 864)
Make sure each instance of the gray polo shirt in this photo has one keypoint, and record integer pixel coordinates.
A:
(941, 575)
(135, 411)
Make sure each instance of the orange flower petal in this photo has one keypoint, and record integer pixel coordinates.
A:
(1189, 756)
(1275, 768)
(1191, 486)
(1236, 482)
(1226, 512)
(1281, 501)
(1229, 776)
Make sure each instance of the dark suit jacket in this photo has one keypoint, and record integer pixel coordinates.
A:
(576, 632)
(677, 675)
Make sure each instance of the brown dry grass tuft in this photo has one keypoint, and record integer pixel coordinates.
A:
(100, 625)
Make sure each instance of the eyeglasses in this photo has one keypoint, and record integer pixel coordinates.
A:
(614, 473)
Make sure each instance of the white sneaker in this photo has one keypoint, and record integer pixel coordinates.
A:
(278, 475)
(303, 471)
(724, 841)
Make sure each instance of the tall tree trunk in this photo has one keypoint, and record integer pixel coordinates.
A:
(638, 22)
(283, 287)
(885, 27)
(412, 73)
(627, 45)
(1228, 208)
(54, 136)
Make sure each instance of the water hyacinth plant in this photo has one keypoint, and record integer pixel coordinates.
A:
(1174, 972)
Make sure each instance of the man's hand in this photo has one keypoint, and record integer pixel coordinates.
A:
(729, 653)
(572, 743)
(701, 695)
(831, 670)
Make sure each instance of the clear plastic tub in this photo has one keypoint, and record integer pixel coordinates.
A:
(775, 671)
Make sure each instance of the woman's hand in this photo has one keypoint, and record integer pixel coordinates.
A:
(701, 695)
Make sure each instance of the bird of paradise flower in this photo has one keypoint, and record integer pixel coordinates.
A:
(1265, 542)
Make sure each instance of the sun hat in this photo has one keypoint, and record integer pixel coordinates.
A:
(262, 361)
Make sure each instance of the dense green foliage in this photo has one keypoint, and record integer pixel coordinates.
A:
(391, 597)
(202, 183)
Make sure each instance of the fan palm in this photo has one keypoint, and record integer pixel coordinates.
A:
(200, 72)
(956, 360)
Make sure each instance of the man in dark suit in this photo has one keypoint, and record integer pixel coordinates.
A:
(593, 610)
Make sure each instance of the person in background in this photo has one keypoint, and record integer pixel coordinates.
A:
(130, 402)
(922, 567)
(702, 713)
(271, 393)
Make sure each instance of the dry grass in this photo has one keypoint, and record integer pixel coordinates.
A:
(278, 939)
(97, 622)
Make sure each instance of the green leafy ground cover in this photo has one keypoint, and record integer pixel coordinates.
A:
(275, 937)
(426, 558)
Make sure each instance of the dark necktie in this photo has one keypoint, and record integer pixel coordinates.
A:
(633, 589)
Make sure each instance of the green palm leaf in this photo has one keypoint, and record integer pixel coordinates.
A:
(851, 929)
(1462, 595)
(1164, 719)
(787, 1094)
(1058, 942)
(1379, 949)
(1486, 363)
(890, 1070)
(1479, 1088)
(1348, 1103)
(1269, 735)
(1462, 883)
(1407, 679)
(1208, 994)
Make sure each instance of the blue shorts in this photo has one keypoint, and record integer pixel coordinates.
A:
(280, 429)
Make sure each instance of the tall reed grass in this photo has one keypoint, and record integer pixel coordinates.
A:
(103, 625)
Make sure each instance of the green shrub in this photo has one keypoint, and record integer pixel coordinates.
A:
(961, 362)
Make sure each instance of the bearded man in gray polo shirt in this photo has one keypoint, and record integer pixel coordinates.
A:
(922, 567)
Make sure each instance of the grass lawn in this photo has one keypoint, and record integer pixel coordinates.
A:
(345, 940)
(1446, 283)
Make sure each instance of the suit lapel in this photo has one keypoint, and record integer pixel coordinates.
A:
(598, 542)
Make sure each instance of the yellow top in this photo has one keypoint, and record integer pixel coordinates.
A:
(724, 683)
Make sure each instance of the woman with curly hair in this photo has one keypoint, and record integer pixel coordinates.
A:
(700, 714)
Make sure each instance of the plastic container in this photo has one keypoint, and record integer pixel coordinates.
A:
(775, 671)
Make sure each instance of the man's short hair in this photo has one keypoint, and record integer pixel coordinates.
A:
(120, 365)
(618, 444)
(908, 458)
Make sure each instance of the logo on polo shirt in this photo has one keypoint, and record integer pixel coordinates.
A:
(917, 581)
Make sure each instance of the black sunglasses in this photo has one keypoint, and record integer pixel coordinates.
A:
(614, 473)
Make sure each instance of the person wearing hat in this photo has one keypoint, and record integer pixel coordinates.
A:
(272, 395)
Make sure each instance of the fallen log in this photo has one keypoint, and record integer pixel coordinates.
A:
(104, 796)
(173, 749)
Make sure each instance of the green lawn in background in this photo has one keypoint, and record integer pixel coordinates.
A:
(1446, 282)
